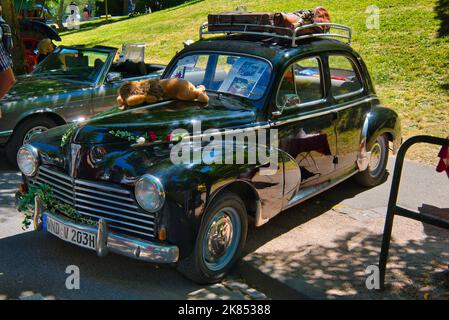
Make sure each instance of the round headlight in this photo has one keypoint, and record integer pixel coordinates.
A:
(149, 193)
(27, 160)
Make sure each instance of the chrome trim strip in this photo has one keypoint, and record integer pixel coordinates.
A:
(63, 199)
(113, 225)
(96, 185)
(84, 195)
(60, 175)
(126, 245)
(114, 208)
(39, 177)
(318, 114)
(117, 215)
(6, 133)
(102, 193)
(303, 196)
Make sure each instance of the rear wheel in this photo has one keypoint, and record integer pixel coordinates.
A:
(220, 241)
(24, 132)
(377, 167)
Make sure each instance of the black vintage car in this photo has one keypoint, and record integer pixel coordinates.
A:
(117, 170)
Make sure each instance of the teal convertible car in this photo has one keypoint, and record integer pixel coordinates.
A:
(71, 83)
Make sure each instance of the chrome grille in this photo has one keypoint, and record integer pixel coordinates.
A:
(95, 200)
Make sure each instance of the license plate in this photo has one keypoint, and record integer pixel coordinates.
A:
(69, 234)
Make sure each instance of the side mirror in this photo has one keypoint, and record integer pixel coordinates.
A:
(114, 77)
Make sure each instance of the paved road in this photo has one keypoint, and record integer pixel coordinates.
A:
(321, 248)
(34, 263)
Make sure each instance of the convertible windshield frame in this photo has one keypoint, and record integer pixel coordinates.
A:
(173, 66)
(100, 73)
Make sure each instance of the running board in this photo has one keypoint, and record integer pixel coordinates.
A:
(309, 192)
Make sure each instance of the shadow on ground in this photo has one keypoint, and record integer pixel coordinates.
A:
(35, 263)
(302, 213)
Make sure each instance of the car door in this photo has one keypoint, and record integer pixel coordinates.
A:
(306, 123)
(348, 94)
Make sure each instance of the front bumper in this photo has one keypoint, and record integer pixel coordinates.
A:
(117, 243)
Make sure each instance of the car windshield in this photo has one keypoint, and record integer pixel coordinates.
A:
(73, 64)
(239, 75)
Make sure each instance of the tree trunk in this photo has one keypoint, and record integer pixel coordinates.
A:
(18, 54)
(125, 7)
(106, 9)
(60, 13)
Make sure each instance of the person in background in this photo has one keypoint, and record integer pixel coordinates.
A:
(7, 79)
(44, 48)
(86, 12)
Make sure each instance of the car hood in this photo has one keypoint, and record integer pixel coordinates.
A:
(31, 87)
(122, 162)
(163, 118)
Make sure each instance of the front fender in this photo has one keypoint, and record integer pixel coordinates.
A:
(190, 189)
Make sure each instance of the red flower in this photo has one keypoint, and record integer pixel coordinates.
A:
(169, 137)
(152, 136)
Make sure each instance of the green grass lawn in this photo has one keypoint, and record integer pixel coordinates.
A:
(409, 64)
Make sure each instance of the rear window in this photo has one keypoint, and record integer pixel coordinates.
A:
(344, 78)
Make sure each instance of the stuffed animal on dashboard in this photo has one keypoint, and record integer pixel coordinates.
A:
(135, 93)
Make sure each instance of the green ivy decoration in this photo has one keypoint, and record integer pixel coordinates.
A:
(68, 134)
(50, 202)
(127, 135)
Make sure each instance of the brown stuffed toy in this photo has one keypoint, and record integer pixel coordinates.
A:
(149, 91)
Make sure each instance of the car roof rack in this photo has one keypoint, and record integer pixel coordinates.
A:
(335, 30)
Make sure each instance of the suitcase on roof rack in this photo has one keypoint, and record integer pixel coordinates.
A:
(241, 21)
(270, 22)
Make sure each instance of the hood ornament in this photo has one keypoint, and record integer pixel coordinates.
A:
(74, 157)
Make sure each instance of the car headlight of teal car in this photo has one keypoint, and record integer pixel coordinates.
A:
(28, 160)
(150, 193)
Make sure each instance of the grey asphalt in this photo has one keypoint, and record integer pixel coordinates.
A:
(321, 248)
(33, 264)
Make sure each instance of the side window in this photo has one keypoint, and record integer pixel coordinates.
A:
(344, 78)
(302, 83)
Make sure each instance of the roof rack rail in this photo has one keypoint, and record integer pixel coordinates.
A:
(296, 34)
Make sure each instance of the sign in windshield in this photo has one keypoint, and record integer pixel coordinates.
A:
(243, 76)
(73, 64)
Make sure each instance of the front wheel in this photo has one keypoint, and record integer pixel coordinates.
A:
(220, 241)
(377, 167)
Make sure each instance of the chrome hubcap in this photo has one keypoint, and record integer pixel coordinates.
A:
(221, 239)
(377, 158)
(32, 132)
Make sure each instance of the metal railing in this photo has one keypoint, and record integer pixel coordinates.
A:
(395, 209)
(296, 34)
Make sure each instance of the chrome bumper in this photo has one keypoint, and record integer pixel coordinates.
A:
(116, 243)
